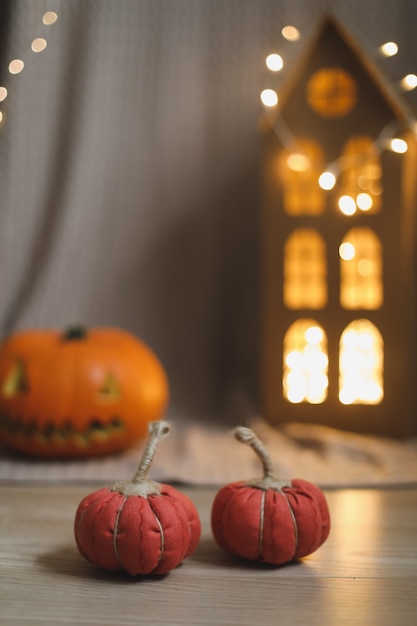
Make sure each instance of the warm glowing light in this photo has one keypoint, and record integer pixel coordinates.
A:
(360, 364)
(369, 179)
(327, 180)
(361, 277)
(1, 116)
(375, 188)
(389, 49)
(365, 267)
(316, 391)
(16, 66)
(274, 62)
(290, 33)
(305, 284)
(347, 205)
(296, 394)
(347, 396)
(409, 82)
(349, 339)
(50, 17)
(364, 201)
(269, 97)
(294, 359)
(398, 145)
(305, 376)
(368, 393)
(3, 93)
(347, 251)
(39, 44)
(298, 162)
(314, 335)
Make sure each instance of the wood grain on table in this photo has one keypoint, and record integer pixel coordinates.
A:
(364, 575)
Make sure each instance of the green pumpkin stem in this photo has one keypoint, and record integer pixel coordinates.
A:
(268, 480)
(74, 332)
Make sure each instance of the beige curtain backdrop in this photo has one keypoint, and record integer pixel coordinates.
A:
(129, 172)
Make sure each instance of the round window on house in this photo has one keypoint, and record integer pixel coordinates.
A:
(332, 92)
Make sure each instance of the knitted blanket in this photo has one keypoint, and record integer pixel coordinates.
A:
(202, 454)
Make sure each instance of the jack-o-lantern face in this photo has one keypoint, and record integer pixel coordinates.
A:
(79, 393)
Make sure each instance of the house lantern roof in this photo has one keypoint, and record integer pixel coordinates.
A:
(367, 101)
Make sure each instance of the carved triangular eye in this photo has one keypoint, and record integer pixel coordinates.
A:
(16, 381)
(110, 389)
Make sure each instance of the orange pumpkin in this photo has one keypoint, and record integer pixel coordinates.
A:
(78, 393)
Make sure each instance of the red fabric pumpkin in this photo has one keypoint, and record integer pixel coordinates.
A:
(139, 526)
(267, 519)
(81, 392)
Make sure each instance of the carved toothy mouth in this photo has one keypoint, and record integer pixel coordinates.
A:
(97, 431)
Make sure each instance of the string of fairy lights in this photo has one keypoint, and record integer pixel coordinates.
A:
(17, 65)
(388, 139)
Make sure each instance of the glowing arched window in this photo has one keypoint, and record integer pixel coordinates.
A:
(305, 363)
(360, 180)
(300, 170)
(305, 272)
(361, 270)
(361, 361)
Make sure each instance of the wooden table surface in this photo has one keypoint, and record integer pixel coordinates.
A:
(364, 575)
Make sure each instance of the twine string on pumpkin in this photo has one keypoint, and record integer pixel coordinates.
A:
(140, 485)
(246, 435)
(268, 480)
(157, 430)
(261, 525)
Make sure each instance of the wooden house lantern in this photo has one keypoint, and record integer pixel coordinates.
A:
(338, 265)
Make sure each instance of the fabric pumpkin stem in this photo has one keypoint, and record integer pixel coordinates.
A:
(246, 435)
(140, 485)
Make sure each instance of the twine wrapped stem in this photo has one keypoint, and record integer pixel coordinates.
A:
(140, 485)
(268, 480)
